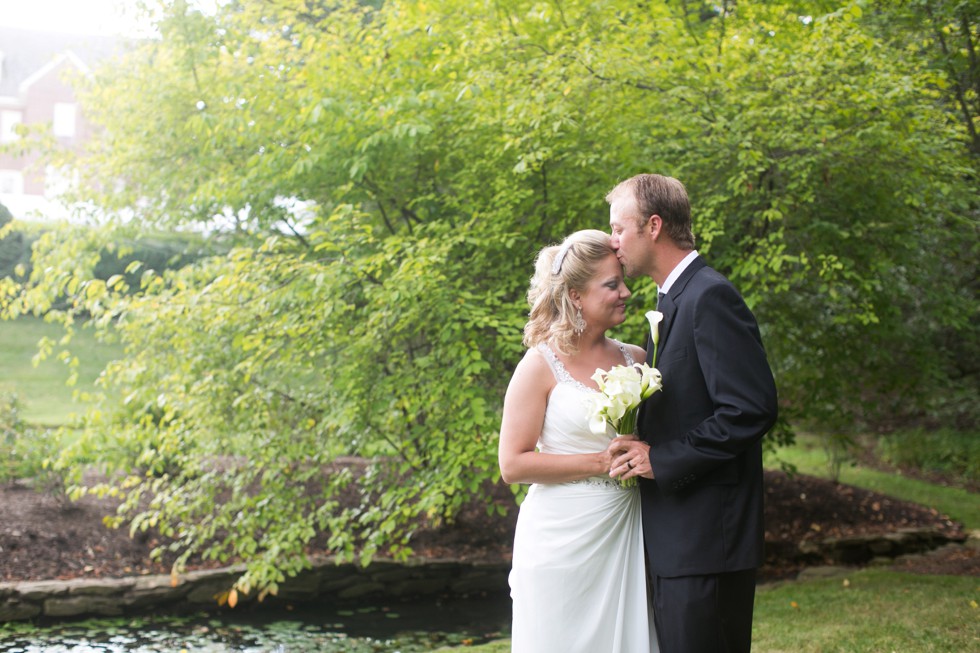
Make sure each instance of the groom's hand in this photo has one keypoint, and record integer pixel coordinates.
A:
(630, 458)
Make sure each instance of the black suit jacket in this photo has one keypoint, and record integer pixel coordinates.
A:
(703, 513)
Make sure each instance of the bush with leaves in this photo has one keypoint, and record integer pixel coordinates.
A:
(946, 452)
(12, 429)
(28, 454)
(379, 179)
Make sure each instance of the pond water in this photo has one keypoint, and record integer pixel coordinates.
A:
(399, 627)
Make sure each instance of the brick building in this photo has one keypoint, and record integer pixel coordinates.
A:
(36, 71)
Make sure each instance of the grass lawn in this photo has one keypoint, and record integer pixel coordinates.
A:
(44, 397)
(869, 611)
(810, 458)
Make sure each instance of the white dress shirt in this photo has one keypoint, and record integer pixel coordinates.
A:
(677, 271)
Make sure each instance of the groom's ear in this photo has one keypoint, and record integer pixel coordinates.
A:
(654, 226)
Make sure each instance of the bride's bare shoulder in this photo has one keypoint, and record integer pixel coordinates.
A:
(533, 368)
(534, 361)
(639, 354)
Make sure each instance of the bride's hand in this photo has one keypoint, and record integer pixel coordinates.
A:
(630, 458)
(617, 446)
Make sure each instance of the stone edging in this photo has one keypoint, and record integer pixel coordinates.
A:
(198, 590)
(351, 583)
(860, 549)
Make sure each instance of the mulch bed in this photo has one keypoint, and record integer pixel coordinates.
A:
(42, 538)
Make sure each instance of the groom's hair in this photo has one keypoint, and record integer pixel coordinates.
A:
(663, 196)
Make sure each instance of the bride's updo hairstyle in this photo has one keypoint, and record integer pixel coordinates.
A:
(557, 270)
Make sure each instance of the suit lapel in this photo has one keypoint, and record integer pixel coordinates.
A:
(668, 305)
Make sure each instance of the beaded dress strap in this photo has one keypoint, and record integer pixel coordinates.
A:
(558, 368)
(626, 353)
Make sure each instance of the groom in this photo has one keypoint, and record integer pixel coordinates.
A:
(700, 438)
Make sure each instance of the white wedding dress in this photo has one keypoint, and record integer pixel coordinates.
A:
(578, 579)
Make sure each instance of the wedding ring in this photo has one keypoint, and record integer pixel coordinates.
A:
(629, 463)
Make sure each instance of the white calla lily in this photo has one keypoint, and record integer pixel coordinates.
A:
(650, 380)
(600, 378)
(654, 318)
(600, 406)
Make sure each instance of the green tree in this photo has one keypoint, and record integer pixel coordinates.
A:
(379, 179)
(944, 36)
(12, 249)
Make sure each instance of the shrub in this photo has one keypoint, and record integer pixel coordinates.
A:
(12, 429)
(27, 453)
(951, 453)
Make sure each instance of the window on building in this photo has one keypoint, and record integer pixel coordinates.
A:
(11, 182)
(58, 181)
(8, 120)
(64, 119)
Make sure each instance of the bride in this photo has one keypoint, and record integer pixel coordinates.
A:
(578, 580)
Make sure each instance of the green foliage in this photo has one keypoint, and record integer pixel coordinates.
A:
(952, 454)
(122, 257)
(378, 180)
(126, 258)
(805, 178)
(839, 447)
(5, 215)
(26, 453)
(15, 249)
(12, 430)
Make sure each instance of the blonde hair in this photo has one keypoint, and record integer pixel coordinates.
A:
(558, 269)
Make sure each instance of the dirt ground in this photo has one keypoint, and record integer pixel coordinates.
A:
(42, 538)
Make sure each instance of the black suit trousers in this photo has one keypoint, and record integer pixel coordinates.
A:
(704, 614)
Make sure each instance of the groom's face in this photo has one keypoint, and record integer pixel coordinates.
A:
(628, 237)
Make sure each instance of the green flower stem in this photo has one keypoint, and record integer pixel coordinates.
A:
(627, 426)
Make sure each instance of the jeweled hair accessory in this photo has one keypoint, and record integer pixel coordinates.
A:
(560, 257)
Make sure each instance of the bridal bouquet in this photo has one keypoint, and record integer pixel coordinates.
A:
(622, 389)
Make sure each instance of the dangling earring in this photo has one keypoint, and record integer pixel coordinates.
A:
(579, 323)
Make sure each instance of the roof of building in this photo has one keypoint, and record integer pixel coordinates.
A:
(23, 53)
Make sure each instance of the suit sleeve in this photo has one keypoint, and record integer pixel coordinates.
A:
(739, 403)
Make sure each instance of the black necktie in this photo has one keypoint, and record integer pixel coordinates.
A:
(660, 299)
